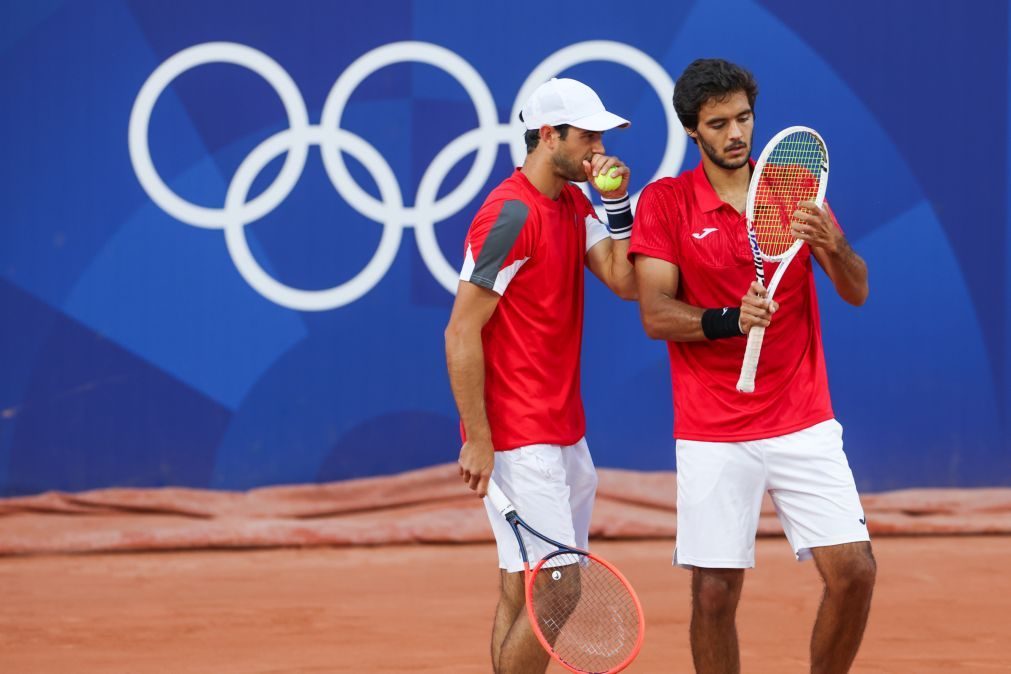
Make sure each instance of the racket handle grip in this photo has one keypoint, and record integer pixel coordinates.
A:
(746, 383)
(499, 499)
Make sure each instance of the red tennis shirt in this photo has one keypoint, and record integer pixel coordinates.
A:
(531, 250)
(683, 221)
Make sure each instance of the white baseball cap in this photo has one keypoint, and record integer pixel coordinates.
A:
(566, 101)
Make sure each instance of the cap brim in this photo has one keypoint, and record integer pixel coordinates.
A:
(600, 121)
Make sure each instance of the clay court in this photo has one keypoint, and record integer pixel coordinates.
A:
(398, 574)
(940, 606)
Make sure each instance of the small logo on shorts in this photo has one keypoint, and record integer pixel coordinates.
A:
(863, 520)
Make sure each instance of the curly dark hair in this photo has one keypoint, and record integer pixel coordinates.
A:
(705, 79)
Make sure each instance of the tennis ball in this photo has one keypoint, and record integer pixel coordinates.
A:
(608, 183)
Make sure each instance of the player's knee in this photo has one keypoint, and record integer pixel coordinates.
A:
(715, 595)
(566, 588)
(854, 576)
(557, 591)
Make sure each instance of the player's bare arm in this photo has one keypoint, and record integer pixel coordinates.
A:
(608, 259)
(664, 317)
(847, 270)
(667, 318)
(472, 309)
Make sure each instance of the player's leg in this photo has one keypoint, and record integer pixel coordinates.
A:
(848, 571)
(573, 467)
(515, 648)
(713, 630)
(509, 606)
(533, 478)
(813, 488)
(720, 489)
(580, 477)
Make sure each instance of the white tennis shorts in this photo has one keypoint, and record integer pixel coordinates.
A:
(552, 487)
(721, 485)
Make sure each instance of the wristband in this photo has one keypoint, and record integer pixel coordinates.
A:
(721, 323)
(619, 217)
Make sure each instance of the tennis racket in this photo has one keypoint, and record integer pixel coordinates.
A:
(583, 611)
(793, 167)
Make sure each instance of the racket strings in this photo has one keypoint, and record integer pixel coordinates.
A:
(792, 173)
(585, 612)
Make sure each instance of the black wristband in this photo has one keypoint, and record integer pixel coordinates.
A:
(721, 323)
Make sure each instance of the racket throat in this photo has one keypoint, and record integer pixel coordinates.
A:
(513, 518)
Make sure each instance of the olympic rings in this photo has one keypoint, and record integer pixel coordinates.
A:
(389, 210)
(140, 118)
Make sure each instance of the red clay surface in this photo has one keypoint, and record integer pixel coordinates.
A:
(941, 605)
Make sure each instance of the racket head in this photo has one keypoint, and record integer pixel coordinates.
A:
(584, 612)
(793, 167)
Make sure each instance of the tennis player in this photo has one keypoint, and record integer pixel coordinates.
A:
(693, 263)
(514, 338)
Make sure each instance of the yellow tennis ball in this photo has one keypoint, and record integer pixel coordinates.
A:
(608, 183)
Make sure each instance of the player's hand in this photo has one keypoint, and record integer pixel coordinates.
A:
(600, 163)
(816, 226)
(756, 309)
(477, 459)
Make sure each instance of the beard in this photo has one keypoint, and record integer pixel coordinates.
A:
(568, 168)
(721, 161)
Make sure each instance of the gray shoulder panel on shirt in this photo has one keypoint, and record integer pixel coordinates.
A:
(499, 242)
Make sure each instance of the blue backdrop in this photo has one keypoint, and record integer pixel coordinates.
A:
(228, 229)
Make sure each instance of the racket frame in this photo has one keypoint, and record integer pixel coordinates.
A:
(749, 366)
(505, 508)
